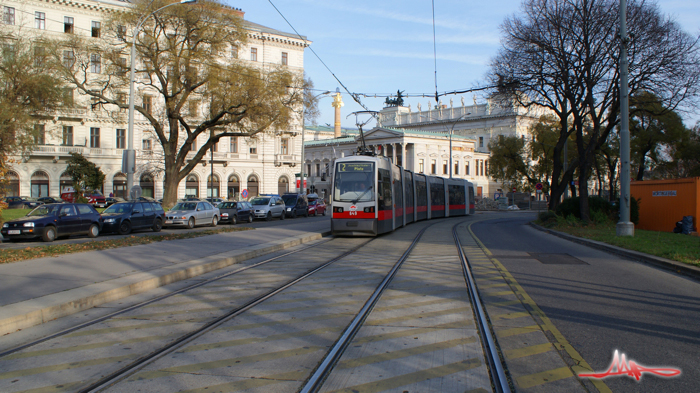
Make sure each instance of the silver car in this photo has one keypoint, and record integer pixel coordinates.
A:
(267, 207)
(192, 213)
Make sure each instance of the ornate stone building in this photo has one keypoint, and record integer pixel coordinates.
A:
(266, 163)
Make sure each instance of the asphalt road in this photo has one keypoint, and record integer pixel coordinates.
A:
(602, 303)
(37, 242)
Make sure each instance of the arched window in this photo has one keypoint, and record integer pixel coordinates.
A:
(147, 186)
(119, 185)
(282, 185)
(234, 187)
(12, 188)
(253, 189)
(192, 186)
(65, 181)
(40, 184)
(212, 186)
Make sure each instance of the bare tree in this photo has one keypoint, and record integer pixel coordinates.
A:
(191, 81)
(564, 56)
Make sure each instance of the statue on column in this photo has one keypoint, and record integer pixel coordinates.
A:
(462, 99)
(418, 107)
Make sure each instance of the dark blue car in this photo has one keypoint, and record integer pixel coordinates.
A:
(21, 202)
(235, 212)
(55, 220)
(125, 217)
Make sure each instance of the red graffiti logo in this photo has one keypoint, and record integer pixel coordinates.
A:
(620, 366)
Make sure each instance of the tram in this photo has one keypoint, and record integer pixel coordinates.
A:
(371, 196)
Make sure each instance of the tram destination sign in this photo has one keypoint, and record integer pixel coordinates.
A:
(356, 167)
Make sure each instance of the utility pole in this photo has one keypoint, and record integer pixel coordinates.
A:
(624, 227)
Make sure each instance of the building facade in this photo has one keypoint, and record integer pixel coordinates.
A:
(266, 163)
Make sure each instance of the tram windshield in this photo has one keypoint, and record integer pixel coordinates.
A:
(354, 182)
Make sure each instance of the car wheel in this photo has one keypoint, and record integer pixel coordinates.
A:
(125, 228)
(283, 215)
(306, 214)
(324, 213)
(158, 225)
(250, 218)
(269, 216)
(93, 231)
(234, 219)
(190, 223)
(214, 221)
(49, 234)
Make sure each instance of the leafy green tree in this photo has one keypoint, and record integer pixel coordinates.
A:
(85, 174)
(685, 157)
(184, 65)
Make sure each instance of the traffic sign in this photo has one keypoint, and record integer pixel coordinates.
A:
(244, 193)
(515, 189)
(538, 186)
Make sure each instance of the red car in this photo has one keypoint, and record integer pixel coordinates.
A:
(317, 206)
(94, 197)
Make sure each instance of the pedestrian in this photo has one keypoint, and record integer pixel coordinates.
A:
(111, 195)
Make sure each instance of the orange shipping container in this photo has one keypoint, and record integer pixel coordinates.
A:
(662, 203)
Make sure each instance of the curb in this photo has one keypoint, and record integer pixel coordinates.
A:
(666, 264)
(47, 308)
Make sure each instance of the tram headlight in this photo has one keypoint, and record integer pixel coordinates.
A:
(369, 209)
(337, 209)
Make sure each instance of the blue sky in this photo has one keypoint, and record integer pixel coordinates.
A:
(381, 46)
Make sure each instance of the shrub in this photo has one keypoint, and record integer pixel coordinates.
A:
(547, 219)
(570, 206)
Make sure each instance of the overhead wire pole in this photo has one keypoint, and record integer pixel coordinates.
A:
(624, 227)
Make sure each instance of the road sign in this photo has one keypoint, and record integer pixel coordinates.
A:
(135, 192)
(538, 186)
(244, 193)
(515, 189)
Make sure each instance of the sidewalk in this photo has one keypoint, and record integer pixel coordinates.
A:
(40, 290)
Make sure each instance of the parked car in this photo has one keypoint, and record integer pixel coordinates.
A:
(267, 207)
(235, 212)
(215, 201)
(112, 200)
(191, 214)
(96, 198)
(22, 202)
(55, 220)
(317, 206)
(296, 205)
(125, 217)
(49, 200)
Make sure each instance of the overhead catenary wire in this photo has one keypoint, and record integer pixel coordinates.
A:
(435, 53)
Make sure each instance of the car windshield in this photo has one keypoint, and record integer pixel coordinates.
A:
(260, 201)
(227, 205)
(290, 200)
(32, 199)
(312, 203)
(119, 208)
(44, 210)
(94, 192)
(185, 206)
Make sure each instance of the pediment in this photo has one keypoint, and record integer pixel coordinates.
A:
(382, 133)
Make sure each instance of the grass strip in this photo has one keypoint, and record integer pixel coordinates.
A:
(677, 247)
(9, 255)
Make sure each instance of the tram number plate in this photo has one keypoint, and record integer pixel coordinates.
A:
(14, 232)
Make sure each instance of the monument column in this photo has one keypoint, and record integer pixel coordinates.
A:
(337, 104)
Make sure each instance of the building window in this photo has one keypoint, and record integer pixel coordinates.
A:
(308, 170)
(121, 32)
(148, 104)
(215, 146)
(193, 147)
(40, 184)
(95, 103)
(285, 58)
(121, 66)
(486, 167)
(147, 144)
(481, 165)
(456, 168)
(318, 169)
(421, 166)
(466, 168)
(8, 15)
(68, 24)
(40, 134)
(284, 146)
(121, 138)
(39, 56)
(40, 20)
(67, 135)
(481, 141)
(444, 167)
(96, 29)
(94, 137)
(253, 54)
(433, 167)
(253, 149)
(233, 147)
(95, 63)
(68, 58)
(192, 186)
(192, 108)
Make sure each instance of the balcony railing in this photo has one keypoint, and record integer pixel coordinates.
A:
(64, 151)
(286, 159)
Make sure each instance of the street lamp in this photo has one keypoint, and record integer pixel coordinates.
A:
(129, 157)
(303, 129)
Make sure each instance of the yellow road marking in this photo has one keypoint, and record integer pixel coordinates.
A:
(561, 341)
(517, 331)
(528, 381)
(510, 315)
(64, 366)
(250, 340)
(407, 379)
(424, 315)
(403, 353)
(250, 383)
(528, 351)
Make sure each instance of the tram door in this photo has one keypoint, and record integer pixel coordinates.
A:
(398, 196)
(408, 200)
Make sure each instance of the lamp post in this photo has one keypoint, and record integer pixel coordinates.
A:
(303, 129)
(624, 227)
(129, 157)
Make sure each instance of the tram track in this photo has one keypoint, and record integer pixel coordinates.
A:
(312, 317)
